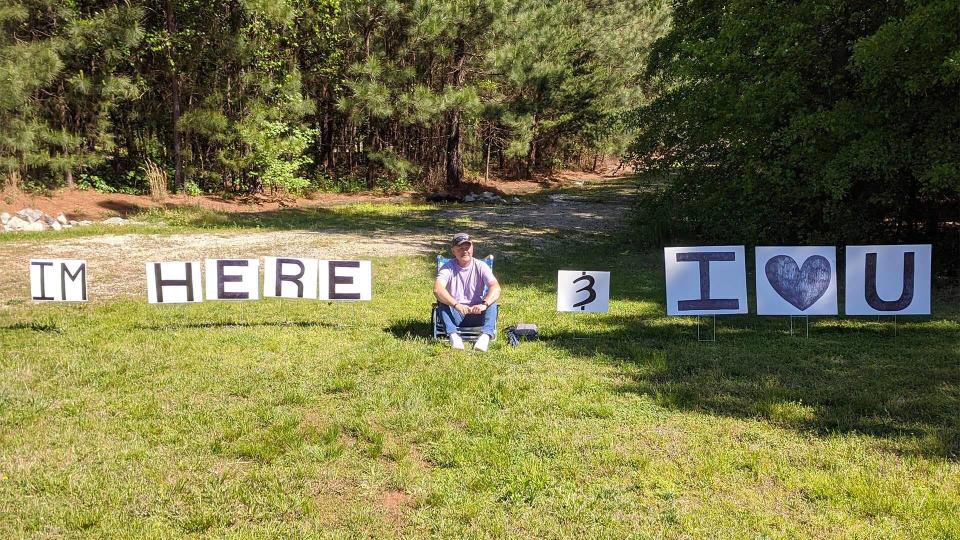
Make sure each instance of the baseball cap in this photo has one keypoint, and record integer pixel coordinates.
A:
(460, 238)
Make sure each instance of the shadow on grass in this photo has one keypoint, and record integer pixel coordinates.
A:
(34, 326)
(411, 329)
(121, 208)
(238, 324)
(847, 377)
(852, 375)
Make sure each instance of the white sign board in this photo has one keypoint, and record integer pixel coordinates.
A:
(233, 279)
(344, 280)
(797, 280)
(583, 291)
(706, 280)
(888, 280)
(58, 280)
(174, 282)
(289, 277)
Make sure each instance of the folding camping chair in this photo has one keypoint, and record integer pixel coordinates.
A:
(468, 333)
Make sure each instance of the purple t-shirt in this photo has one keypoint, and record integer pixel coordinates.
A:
(466, 284)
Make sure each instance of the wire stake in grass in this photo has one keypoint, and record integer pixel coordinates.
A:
(806, 319)
(714, 337)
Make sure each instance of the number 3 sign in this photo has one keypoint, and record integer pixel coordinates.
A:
(582, 291)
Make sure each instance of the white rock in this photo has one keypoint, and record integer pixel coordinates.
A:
(73, 222)
(35, 226)
(114, 221)
(4, 218)
(55, 225)
(30, 214)
(469, 198)
(16, 223)
(84, 222)
(487, 195)
(515, 200)
(62, 219)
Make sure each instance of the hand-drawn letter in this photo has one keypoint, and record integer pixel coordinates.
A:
(591, 294)
(705, 302)
(186, 282)
(65, 273)
(223, 278)
(293, 278)
(870, 284)
(335, 280)
(43, 281)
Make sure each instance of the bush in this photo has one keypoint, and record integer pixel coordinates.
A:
(808, 122)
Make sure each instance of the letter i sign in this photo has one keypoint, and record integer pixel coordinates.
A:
(705, 280)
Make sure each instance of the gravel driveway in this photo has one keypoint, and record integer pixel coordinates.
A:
(115, 262)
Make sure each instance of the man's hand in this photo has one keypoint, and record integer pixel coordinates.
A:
(478, 309)
(463, 310)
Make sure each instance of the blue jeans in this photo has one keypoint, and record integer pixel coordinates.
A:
(453, 320)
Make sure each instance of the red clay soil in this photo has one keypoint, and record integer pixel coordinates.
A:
(78, 204)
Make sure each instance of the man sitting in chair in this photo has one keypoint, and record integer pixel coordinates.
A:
(459, 289)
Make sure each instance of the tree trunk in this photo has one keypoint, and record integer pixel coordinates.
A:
(368, 149)
(69, 178)
(326, 135)
(502, 164)
(452, 157)
(486, 176)
(531, 159)
(175, 98)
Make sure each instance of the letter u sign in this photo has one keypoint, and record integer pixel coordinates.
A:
(888, 280)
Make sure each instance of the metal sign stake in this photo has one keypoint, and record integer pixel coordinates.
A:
(806, 319)
(714, 337)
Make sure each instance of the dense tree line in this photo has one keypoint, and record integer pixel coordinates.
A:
(250, 95)
(806, 121)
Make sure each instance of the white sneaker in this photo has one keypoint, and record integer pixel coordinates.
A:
(482, 343)
(456, 341)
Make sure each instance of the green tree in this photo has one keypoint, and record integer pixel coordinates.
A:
(807, 122)
(29, 61)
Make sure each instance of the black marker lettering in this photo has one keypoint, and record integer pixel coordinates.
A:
(223, 279)
(870, 284)
(65, 273)
(591, 294)
(43, 281)
(335, 280)
(293, 278)
(161, 283)
(705, 302)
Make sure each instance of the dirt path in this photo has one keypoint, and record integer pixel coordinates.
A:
(116, 261)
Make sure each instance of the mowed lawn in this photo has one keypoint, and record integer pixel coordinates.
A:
(307, 419)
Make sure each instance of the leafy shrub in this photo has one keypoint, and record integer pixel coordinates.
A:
(808, 122)
(94, 182)
(277, 151)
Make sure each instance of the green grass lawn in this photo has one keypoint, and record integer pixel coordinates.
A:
(299, 419)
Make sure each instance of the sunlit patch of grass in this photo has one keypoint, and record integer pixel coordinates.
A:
(300, 419)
